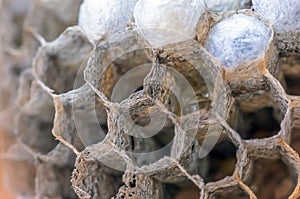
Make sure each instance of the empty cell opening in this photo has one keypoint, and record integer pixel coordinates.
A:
(170, 190)
(125, 75)
(272, 179)
(292, 85)
(67, 84)
(180, 191)
(60, 68)
(194, 94)
(289, 64)
(37, 135)
(152, 137)
(91, 122)
(239, 195)
(222, 160)
(165, 136)
(259, 124)
(236, 192)
(101, 115)
(148, 150)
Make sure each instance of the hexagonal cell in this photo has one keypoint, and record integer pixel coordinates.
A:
(146, 134)
(289, 65)
(293, 128)
(259, 124)
(33, 125)
(191, 80)
(189, 92)
(125, 75)
(94, 175)
(58, 63)
(79, 104)
(176, 192)
(221, 160)
(38, 135)
(276, 186)
(148, 150)
(259, 113)
(233, 193)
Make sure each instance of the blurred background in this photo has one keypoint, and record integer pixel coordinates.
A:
(3, 192)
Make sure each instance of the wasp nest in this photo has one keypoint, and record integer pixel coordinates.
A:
(149, 99)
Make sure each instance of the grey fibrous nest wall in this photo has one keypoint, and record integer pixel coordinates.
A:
(63, 87)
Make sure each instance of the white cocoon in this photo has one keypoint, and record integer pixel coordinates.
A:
(163, 22)
(98, 17)
(237, 39)
(283, 14)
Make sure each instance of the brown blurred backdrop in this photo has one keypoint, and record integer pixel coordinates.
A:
(3, 193)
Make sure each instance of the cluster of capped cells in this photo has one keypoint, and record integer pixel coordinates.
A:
(150, 99)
